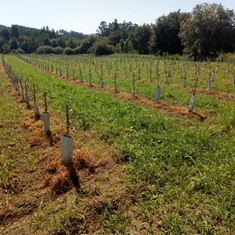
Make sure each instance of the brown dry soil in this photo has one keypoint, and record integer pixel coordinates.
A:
(38, 196)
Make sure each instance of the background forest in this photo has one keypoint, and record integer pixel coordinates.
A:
(207, 31)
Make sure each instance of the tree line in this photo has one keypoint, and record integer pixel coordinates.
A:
(28, 40)
(207, 31)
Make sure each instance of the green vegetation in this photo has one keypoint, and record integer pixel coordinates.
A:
(143, 69)
(10, 142)
(30, 40)
(211, 38)
(180, 173)
(204, 33)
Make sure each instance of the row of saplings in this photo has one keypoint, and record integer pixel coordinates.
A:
(191, 105)
(22, 90)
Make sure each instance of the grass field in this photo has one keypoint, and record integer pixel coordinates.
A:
(172, 171)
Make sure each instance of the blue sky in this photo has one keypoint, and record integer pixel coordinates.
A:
(85, 15)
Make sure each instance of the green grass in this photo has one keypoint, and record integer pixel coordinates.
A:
(144, 68)
(184, 175)
(173, 94)
(8, 138)
(65, 220)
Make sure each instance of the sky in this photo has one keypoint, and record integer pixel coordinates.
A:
(85, 15)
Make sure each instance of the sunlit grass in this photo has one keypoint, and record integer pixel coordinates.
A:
(186, 172)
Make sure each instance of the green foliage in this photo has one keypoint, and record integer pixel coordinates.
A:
(121, 29)
(58, 42)
(103, 29)
(226, 57)
(102, 48)
(20, 51)
(71, 43)
(205, 32)
(181, 169)
(13, 44)
(166, 33)
(208, 31)
(58, 50)
(68, 51)
(29, 39)
(86, 45)
(15, 31)
(5, 34)
(5, 48)
(45, 50)
(140, 39)
(1, 45)
(17, 51)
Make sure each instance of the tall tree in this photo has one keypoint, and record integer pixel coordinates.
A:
(15, 31)
(114, 26)
(115, 38)
(209, 30)
(166, 33)
(103, 29)
(13, 44)
(5, 35)
(140, 38)
(71, 43)
(1, 45)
